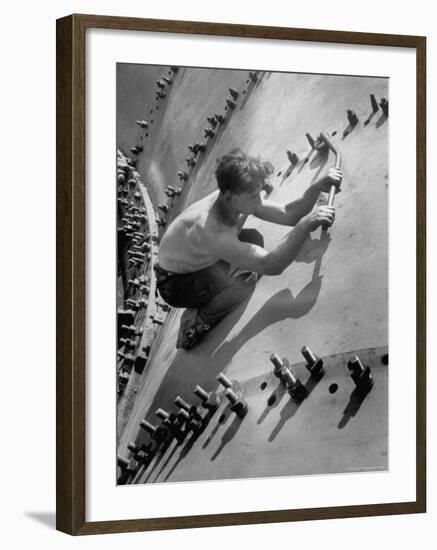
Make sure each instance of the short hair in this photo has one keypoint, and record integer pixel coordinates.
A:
(239, 173)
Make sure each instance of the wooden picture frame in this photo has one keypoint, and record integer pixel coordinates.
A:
(71, 252)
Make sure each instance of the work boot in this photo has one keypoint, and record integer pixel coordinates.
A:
(191, 329)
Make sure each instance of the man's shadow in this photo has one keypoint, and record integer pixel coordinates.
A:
(202, 364)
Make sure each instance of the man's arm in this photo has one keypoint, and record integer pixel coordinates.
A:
(291, 213)
(255, 258)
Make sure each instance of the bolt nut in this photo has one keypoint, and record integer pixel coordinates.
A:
(361, 375)
(238, 404)
(210, 401)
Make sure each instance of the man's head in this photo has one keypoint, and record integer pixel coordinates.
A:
(240, 178)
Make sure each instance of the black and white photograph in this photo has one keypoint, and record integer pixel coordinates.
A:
(252, 273)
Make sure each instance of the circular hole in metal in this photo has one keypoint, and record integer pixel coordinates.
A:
(334, 132)
(157, 108)
(263, 386)
(384, 359)
(272, 400)
(247, 82)
(147, 135)
(244, 91)
(278, 174)
(151, 121)
(333, 388)
(222, 418)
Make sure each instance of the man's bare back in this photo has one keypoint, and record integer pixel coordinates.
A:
(186, 245)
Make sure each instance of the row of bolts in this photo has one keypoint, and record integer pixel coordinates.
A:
(190, 419)
(132, 220)
(319, 144)
(138, 253)
(195, 148)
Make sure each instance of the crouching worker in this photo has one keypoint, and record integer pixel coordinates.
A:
(209, 265)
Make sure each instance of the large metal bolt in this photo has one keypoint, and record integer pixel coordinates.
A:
(212, 121)
(160, 84)
(355, 366)
(190, 409)
(277, 364)
(142, 123)
(219, 118)
(127, 342)
(163, 415)
(183, 415)
(140, 303)
(210, 400)
(134, 253)
(310, 139)
(148, 427)
(127, 466)
(313, 363)
(183, 176)
(127, 357)
(374, 103)
(224, 380)
(231, 104)
(253, 77)
(234, 93)
(174, 424)
(292, 157)
(238, 404)
(159, 434)
(352, 117)
(360, 374)
(132, 329)
(232, 396)
(133, 448)
(134, 261)
(182, 403)
(144, 456)
(384, 105)
(295, 387)
(123, 462)
(209, 132)
(288, 377)
(308, 355)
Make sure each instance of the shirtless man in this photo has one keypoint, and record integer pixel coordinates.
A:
(209, 265)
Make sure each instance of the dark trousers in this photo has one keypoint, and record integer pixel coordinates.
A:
(214, 291)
